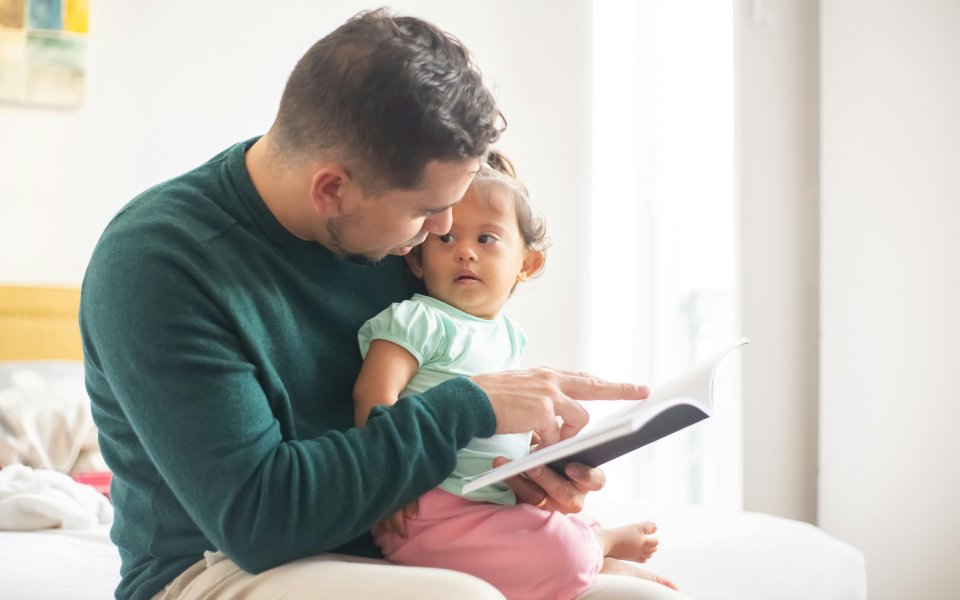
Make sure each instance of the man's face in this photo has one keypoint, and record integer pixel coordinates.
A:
(393, 222)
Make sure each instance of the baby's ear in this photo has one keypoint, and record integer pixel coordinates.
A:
(533, 263)
(414, 262)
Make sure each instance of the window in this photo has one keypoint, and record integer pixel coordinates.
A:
(661, 291)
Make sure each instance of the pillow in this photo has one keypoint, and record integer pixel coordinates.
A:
(45, 419)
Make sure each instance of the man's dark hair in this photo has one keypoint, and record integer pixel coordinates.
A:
(386, 95)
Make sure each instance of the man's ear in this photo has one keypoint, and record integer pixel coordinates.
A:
(414, 262)
(327, 190)
(533, 263)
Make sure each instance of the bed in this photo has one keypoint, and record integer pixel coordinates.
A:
(712, 555)
(742, 555)
(39, 334)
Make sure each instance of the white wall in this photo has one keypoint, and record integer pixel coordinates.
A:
(777, 124)
(171, 83)
(890, 387)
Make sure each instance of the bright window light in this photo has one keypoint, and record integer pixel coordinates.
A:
(661, 293)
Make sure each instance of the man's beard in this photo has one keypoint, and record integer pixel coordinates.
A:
(335, 229)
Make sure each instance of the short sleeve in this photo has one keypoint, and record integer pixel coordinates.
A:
(518, 338)
(409, 324)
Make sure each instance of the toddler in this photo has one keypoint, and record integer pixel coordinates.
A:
(457, 329)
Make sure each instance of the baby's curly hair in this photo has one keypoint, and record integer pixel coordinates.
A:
(498, 173)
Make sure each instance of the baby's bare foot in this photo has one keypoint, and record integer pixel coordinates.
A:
(612, 566)
(630, 542)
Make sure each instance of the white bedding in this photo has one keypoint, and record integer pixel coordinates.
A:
(45, 419)
(711, 555)
(753, 556)
(58, 564)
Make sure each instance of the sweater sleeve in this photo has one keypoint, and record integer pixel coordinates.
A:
(176, 385)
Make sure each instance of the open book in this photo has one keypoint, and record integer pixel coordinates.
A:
(671, 406)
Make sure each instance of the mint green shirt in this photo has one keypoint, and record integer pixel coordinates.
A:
(448, 343)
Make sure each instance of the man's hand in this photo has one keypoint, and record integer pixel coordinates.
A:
(532, 400)
(549, 490)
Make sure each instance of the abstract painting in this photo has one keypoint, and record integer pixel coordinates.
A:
(43, 47)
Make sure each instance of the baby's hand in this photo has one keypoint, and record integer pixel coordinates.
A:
(397, 521)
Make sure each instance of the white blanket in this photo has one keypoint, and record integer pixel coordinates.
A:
(45, 419)
(40, 499)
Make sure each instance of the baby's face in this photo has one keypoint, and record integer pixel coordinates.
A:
(474, 267)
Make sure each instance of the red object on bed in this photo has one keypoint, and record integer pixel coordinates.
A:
(100, 480)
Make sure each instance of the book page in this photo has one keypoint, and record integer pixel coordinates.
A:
(695, 385)
(673, 405)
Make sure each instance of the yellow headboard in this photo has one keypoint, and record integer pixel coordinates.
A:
(39, 323)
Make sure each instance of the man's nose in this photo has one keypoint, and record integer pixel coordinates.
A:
(440, 223)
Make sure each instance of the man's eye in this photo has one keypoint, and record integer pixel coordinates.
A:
(486, 238)
(445, 238)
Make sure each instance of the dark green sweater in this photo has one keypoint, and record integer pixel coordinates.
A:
(221, 353)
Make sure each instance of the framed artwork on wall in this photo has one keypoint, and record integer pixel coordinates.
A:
(43, 46)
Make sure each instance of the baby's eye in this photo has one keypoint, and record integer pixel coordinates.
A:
(445, 238)
(486, 238)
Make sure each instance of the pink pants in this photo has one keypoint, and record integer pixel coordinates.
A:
(524, 551)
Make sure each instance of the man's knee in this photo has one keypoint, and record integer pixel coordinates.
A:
(375, 580)
(443, 584)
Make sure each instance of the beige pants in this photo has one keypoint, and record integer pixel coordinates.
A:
(334, 576)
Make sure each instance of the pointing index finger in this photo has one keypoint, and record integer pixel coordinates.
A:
(583, 386)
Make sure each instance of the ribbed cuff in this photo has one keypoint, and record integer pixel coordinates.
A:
(465, 406)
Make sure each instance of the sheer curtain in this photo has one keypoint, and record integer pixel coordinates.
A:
(661, 289)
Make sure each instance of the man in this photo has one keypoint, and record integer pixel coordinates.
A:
(219, 317)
